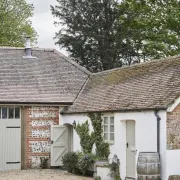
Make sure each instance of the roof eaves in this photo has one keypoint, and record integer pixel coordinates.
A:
(120, 110)
(11, 48)
(22, 48)
(27, 103)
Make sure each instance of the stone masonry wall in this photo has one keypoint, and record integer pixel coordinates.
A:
(38, 121)
(173, 129)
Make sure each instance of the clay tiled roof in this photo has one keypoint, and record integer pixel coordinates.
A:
(151, 85)
(50, 78)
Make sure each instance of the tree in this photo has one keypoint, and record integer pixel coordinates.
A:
(151, 29)
(15, 23)
(92, 33)
(103, 34)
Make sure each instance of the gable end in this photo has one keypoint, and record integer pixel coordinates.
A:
(174, 105)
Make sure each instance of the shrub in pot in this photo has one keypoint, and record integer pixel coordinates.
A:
(70, 161)
(85, 163)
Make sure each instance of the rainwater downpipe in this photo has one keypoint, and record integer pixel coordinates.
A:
(158, 131)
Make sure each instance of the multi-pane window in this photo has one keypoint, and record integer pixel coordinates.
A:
(9, 112)
(108, 128)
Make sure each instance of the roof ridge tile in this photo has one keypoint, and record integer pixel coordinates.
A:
(139, 64)
(72, 62)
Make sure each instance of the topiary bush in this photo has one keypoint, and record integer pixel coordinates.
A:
(70, 161)
(87, 139)
(102, 147)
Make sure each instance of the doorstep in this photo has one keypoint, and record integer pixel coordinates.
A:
(130, 178)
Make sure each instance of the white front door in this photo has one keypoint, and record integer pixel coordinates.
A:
(130, 149)
(59, 144)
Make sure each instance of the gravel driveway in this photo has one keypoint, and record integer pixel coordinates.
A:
(39, 174)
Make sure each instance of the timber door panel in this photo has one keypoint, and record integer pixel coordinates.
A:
(59, 144)
(10, 144)
(130, 149)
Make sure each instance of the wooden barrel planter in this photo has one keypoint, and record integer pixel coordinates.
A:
(148, 166)
(177, 177)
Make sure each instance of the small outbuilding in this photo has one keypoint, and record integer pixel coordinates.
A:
(140, 106)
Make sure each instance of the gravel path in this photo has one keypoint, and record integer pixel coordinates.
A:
(39, 174)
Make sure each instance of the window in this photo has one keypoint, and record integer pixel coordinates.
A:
(9, 112)
(17, 113)
(4, 113)
(108, 128)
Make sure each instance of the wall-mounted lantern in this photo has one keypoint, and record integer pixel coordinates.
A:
(74, 124)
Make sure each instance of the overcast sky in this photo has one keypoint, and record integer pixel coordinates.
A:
(43, 21)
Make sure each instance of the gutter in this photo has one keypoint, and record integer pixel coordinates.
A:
(118, 110)
(158, 130)
(36, 103)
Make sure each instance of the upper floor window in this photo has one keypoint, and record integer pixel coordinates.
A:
(108, 128)
(9, 112)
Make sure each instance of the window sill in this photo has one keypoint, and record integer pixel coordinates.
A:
(110, 142)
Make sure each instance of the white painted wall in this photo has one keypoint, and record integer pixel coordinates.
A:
(69, 119)
(163, 156)
(146, 133)
(173, 162)
(104, 173)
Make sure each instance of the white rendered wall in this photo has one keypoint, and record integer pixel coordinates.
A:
(69, 119)
(104, 173)
(163, 151)
(145, 135)
(173, 162)
(145, 132)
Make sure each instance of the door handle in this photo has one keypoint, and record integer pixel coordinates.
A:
(127, 145)
(52, 141)
(134, 150)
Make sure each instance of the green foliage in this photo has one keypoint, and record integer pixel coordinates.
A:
(85, 162)
(92, 34)
(97, 178)
(15, 23)
(150, 29)
(115, 171)
(102, 150)
(101, 35)
(102, 147)
(44, 162)
(70, 161)
(78, 163)
(86, 138)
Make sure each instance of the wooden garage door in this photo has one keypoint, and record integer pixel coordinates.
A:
(10, 138)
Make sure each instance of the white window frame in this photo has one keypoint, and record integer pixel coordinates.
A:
(109, 125)
(8, 112)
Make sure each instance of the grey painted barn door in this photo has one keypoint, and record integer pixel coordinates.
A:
(130, 149)
(59, 144)
(10, 144)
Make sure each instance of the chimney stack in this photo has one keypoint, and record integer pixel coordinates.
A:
(28, 49)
